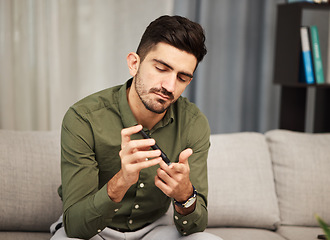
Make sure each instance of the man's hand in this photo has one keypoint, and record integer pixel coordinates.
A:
(133, 155)
(174, 180)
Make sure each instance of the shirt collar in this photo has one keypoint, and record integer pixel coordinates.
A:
(127, 116)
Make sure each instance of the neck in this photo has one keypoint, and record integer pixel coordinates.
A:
(142, 115)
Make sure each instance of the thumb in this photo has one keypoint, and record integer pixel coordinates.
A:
(184, 155)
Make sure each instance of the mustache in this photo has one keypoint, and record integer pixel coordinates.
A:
(162, 91)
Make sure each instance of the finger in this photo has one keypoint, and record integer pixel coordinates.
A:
(182, 166)
(127, 132)
(146, 164)
(170, 170)
(141, 156)
(137, 146)
(129, 155)
(162, 186)
(141, 144)
(165, 177)
(184, 155)
(164, 166)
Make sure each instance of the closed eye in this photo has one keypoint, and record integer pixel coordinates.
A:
(161, 69)
(184, 78)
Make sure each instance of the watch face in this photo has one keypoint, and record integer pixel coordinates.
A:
(190, 202)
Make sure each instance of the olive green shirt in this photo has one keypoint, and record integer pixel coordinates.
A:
(90, 145)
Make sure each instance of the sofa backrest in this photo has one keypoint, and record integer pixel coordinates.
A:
(29, 176)
(302, 175)
(241, 182)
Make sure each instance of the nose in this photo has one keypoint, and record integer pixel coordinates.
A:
(169, 83)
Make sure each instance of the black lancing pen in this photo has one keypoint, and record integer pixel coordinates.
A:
(156, 147)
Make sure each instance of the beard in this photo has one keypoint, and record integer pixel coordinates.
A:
(154, 105)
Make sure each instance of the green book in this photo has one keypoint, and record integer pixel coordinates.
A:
(316, 52)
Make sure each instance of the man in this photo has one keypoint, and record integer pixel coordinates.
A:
(114, 186)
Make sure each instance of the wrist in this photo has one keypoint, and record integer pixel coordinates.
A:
(117, 187)
(191, 200)
(185, 195)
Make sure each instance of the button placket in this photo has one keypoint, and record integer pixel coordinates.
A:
(141, 185)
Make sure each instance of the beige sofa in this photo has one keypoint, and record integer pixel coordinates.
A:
(261, 186)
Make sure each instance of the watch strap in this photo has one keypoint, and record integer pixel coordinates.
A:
(189, 201)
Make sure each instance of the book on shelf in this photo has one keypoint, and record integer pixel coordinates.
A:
(316, 54)
(306, 63)
(321, 20)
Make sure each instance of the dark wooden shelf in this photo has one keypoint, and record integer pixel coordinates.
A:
(296, 102)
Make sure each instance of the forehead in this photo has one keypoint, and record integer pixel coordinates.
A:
(176, 58)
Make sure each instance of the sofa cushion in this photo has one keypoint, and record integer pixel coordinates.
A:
(29, 176)
(302, 169)
(301, 233)
(245, 233)
(25, 235)
(241, 183)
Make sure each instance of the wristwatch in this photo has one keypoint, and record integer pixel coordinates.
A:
(191, 200)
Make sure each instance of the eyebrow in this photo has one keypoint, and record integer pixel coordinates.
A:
(170, 67)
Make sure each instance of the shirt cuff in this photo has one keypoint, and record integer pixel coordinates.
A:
(104, 205)
(193, 222)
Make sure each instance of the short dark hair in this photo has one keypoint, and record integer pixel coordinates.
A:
(176, 31)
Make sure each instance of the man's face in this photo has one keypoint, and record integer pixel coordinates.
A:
(163, 75)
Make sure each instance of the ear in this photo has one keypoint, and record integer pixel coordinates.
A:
(133, 63)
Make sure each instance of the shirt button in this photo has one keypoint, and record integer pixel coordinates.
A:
(184, 222)
(99, 230)
(137, 206)
(130, 221)
(141, 185)
(176, 218)
(116, 210)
